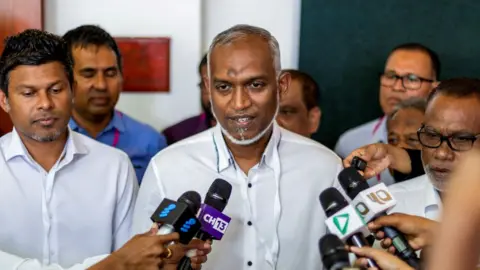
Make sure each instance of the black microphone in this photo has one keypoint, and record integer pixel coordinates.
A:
(214, 223)
(215, 202)
(375, 201)
(334, 254)
(343, 220)
(179, 216)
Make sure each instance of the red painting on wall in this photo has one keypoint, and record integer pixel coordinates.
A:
(146, 64)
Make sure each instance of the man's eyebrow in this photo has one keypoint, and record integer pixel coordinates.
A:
(216, 80)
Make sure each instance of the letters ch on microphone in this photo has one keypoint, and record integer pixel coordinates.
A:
(218, 224)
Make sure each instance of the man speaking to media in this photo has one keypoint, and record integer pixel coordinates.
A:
(276, 175)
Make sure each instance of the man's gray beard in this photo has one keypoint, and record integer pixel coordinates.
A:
(244, 141)
(438, 185)
(48, 138)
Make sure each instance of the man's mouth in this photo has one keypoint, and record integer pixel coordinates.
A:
(46, 121)
(100, 101)
(242, 121)
(440, 171)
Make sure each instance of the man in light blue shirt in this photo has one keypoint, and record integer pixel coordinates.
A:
(97, 66)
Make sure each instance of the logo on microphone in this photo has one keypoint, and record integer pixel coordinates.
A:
(380, 196)
(187, 225)
(341, 222)
(167, 210)
(217, 223)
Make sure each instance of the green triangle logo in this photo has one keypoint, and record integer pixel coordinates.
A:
(341, 222)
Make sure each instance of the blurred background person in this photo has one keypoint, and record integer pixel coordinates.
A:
(299, 109)
(404, 122)
(450, 131)
(411, 70)
(195, 124)
(97, 66)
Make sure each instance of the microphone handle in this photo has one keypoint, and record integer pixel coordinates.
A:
(403, 249)
(185, 263)
(359, 241)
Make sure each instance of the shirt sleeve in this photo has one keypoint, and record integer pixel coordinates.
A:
(12, 262)
(127, 190)
(149, 197)
(417, 166)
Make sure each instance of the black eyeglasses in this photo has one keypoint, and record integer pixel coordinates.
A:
(456, 142)
(409, 81)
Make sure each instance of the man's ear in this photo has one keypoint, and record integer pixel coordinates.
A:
(206, 83)
(435, 84)
(284, 82)
(4, 102)
(314, 118)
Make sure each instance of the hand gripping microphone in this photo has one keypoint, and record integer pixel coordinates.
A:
(372, 202)
(179, 216)
(334, 254)
(214, 222)
(343, 220)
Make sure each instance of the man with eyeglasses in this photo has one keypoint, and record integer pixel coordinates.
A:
(411, 70)
(450, 130)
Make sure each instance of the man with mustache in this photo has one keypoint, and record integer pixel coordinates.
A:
(276, 175)
(195, 124)
(411, 70)
(97, 65)
(66, 200)
(451, 129)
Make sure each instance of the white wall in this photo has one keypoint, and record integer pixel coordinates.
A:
(191, 24)
(280, 17)
(178, 19)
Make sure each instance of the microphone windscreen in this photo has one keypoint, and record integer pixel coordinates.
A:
(333, 251)
(192, 199)
(218, 194)
(352, 182)
(332, 201)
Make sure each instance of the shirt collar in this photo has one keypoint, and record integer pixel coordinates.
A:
(17, 148)
(225, 158)
(116, 122)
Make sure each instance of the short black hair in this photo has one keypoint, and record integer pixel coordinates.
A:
(203, 63)
(310, 89)
(435, 60)
(86, 35)
(456, 87)
(33, 47)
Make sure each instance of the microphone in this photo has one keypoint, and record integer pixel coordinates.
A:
(333, 252)
(179, 216)
(343, 220)
(372, 202)
(214, 222)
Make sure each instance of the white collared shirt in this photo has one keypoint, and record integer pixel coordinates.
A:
(372, 132)
(277, 218)
(417, 197)
(81, 208)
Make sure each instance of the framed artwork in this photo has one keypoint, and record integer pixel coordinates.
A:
(146, 64)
